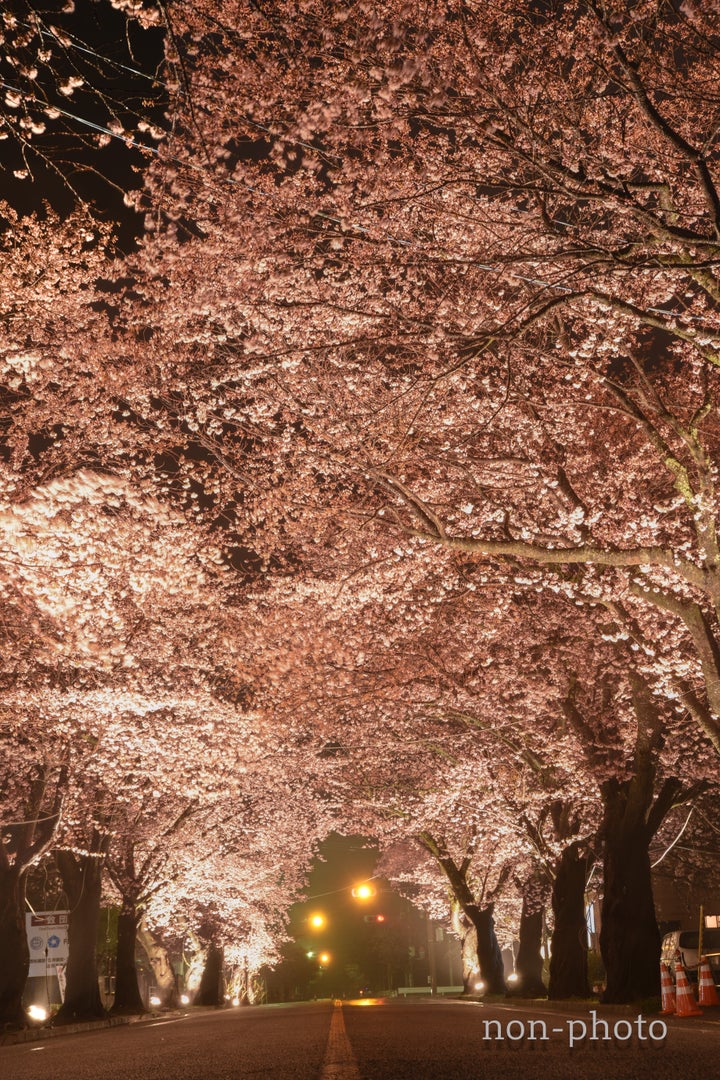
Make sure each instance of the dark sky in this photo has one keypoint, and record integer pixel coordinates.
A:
(115, 63)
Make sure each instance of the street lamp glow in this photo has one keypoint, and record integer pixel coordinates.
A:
(324, 958)
(317, 921)
(364, 891)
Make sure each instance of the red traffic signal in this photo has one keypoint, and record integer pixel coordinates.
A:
(374, 918)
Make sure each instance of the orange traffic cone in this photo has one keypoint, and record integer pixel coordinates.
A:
(684, 999)
(707, 994)
(667, 991)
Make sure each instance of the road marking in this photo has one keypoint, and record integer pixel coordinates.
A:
(159, 1023)
(339, 1062)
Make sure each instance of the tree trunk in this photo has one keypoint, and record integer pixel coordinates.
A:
(29, 845)
(489, 956)
(568, 962)
(529, 961)
(196, 964)
(127, 992)
(468, 945)
(82, 882)
(165, 978)
(14, 952)
(629, 935)
(210, 991)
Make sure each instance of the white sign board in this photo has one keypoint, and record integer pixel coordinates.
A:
(47, 933)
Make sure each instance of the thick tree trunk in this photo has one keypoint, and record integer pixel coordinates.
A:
(14, 952)
(127, 992)
(568, 961)
(529, 960)
(82, 881)
(165, 978)
(489, 956)
(196, 964)
(468, 946)
(629, 935)
(210, 991)
(29, 845)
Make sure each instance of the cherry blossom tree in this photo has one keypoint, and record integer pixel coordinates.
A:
(233, 885)
(178, 847)
(32, 799)
(80, 568)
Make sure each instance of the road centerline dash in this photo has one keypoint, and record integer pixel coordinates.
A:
(339, 1062)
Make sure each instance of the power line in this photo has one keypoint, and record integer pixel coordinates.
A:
(81, 120)
(333, 892)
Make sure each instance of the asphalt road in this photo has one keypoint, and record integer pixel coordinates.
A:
(379, 1040)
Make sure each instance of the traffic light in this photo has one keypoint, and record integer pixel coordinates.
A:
(374, 918)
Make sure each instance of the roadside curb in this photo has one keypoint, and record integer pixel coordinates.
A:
(567, 1006)
(711, 1013)
(558, 1006)
(33, 1034)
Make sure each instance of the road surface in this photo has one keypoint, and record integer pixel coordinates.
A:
(386, 1039)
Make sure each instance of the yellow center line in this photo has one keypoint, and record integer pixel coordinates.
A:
(339, 1062)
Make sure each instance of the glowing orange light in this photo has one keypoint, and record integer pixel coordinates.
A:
(317, 921)
(364, 892)
(324, 958)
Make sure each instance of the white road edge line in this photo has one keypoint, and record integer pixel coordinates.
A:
(339, 1062)
(160, 1023)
